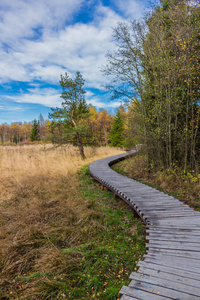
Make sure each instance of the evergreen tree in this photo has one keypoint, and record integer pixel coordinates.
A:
(71, 119)
(116, 134)
(34, 136)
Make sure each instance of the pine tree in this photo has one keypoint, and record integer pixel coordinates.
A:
(34, 136)
(116, 134)
(72, 117)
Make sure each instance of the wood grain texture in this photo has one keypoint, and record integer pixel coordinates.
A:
(171, 266)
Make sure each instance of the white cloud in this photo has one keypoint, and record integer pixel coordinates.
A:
(11, 70)
(98, 103)
(38, 44)
(11, 108)
(48, 97)
(48, 73)
(21, 18)
(76, 47)
(131, 8)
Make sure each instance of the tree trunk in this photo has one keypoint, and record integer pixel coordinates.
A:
(80, 146)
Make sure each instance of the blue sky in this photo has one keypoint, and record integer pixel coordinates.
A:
(41, 39)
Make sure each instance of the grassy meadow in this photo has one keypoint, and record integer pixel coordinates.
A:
(61, 236)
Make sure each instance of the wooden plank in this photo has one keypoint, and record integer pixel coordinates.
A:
(172, 239)
(166, 283)
(193, 255)
(140, 294)
(171, 226)
(184, 247)
(176, 237)
(166, 275)
(159, 216)
(173, 264)
(167, 214)
(166, 268)
(144, 204)
(168, 243)
(195, 221)
(171, 212)
(152, 199)
(165, 208)
(179, 231)
(175, 234)
(162, 291)
(124, 297)
(190, 262)
(176, 227)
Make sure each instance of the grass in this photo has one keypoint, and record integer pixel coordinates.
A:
(61, 236)
(172, 181)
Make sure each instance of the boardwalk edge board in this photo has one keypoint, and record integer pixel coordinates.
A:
(171, 266)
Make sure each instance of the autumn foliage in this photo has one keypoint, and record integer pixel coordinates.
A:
(157, 61)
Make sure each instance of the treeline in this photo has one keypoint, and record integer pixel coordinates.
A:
(98, 128)
(105, 129)
(15, 132)
(157, 61)
(98, 124)
(18, 132)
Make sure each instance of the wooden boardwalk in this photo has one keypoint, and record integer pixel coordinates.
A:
(171, 266)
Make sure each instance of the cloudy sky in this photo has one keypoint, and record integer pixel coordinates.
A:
(41, 39)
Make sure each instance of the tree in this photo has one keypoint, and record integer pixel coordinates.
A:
(4, 129)
(71, 119)
(34, 136)
(125, 66)
(171, 83)
(158, 60)
(132, 124)
(26, 131)
(100, 124)
(104, 125)
(15, 132)
(116, 133)
(41, 127)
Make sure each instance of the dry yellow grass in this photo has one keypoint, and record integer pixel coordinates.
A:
(29, 163)
(47, 159)
(41, 210)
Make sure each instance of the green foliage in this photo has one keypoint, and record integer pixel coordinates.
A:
(34, 136)
(159, 60)
(171, 84)
(102, 265)
(116, 134)
(71, 120)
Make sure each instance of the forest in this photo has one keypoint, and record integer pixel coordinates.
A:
(105, 129)
(158, 62)
(100, 124)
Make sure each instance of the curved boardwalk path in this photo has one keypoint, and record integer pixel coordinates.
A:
(171, 267)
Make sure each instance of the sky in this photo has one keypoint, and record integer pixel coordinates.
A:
(42, 39)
